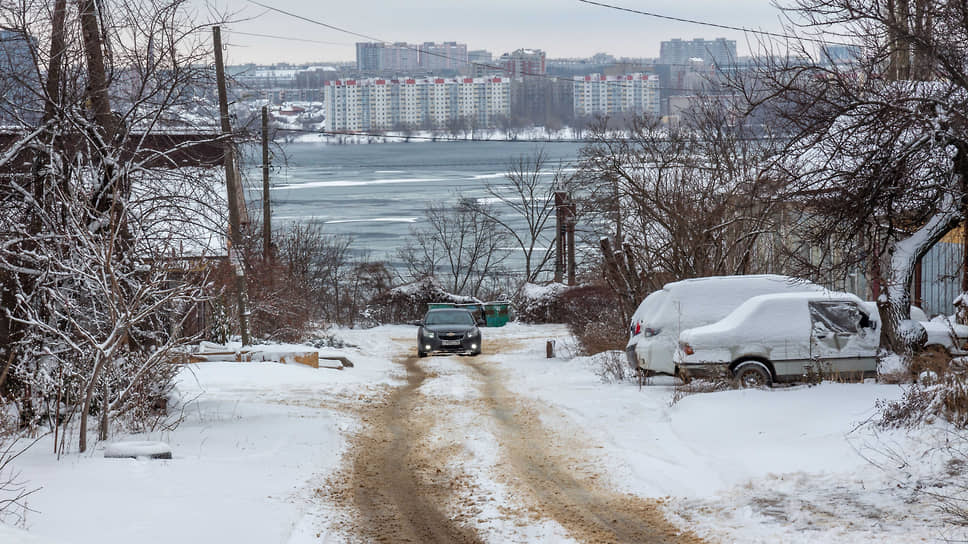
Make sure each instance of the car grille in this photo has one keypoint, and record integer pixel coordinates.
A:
(451, 336)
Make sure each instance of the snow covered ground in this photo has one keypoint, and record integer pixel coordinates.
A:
(260, 442)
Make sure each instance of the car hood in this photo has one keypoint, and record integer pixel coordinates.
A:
(448, 328)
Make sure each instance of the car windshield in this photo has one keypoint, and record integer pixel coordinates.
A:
(449, 317)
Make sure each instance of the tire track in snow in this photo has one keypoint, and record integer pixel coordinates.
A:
(398, 495)
(587, 510)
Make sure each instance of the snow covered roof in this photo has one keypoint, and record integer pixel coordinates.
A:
(690, 302)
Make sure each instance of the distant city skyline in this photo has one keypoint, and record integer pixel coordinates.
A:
(562, 28)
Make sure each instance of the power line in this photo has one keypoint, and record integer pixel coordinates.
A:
(709, 24)
(289, 38)
(315, 22)
(624, 84)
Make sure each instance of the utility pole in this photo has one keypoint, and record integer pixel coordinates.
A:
(565, 264)
(97, 81)
(560, 250)
(232, 189)
(570, 227)
(266, 212)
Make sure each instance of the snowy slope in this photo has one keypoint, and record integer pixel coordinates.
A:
(259, 441)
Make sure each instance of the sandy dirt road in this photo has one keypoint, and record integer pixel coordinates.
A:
(396, 489)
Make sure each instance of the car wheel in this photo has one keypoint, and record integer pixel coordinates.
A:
(752, 374)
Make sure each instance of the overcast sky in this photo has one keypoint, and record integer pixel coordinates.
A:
(562, 28)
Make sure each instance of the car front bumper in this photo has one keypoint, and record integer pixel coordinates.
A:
(444, 345)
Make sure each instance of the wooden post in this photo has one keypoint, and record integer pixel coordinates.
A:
(266, 213)
(570, 225)
(232, 188)
(550, 349)
(560, 199)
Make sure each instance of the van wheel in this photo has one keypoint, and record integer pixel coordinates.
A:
(752, 374)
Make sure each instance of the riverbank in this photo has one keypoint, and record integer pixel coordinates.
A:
(532, 134)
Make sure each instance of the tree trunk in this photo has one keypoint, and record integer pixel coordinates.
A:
(88, 395)
(894, 305)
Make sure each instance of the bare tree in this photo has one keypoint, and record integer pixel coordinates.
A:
(878, 155)
(95, 237)
(528, 193)
(684, 201)
(460, 245)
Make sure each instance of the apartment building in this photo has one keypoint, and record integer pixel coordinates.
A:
(401, 57)
(523, 62)
(443, 57)
(377, 57)
(386, 104)
(608, 95)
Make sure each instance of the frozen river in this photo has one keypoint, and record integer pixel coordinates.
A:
(377, 192)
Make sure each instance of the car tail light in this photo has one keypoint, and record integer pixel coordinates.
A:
(687, 349)
(638, 327)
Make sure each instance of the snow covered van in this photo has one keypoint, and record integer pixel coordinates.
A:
(782, 337)
(681, 305)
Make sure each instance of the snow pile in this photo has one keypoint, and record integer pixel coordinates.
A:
(137, 449)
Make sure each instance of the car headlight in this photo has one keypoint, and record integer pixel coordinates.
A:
(475, 332)
(428, 334)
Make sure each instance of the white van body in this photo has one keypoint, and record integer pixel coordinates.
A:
(656, 324)
(790, 334)
(943, 332)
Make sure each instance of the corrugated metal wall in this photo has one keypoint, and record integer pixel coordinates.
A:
(941, 278)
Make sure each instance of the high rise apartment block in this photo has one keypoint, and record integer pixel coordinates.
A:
(447, 56)
(410, 58)
(607, 95)
(523, 62)
(719, 51)
(376, 56)
(386, 104)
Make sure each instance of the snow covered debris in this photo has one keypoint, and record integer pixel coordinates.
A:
(138, 449)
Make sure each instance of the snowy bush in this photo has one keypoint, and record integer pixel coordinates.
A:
(313, 277)
(13, 489)
(409, 302)
(943, 399)
(592, 312)
(705, 385)
(613, 367)
(539, 303)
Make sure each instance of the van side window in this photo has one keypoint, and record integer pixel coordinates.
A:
(842, 317)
